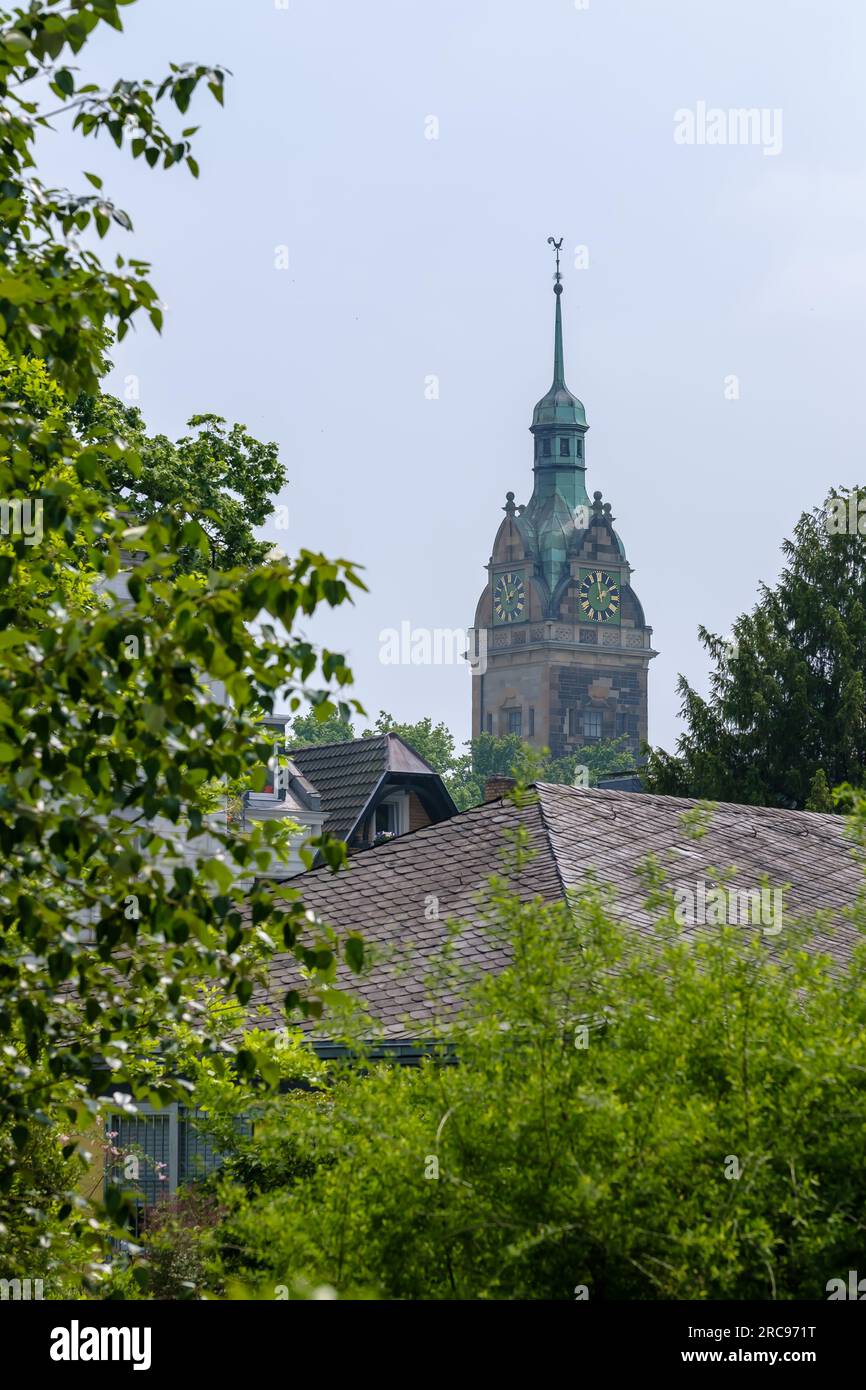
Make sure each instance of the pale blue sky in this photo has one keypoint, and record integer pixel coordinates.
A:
(410, 257)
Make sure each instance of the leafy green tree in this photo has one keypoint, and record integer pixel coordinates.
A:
(820, 797)
(222, 477)
(434, 742)
(598, 759)
(630, 1117)
(44, 579)
(111, 727)
(511, 757)
(487, 756)
(56, 297)
(788, 692)
(310, 728)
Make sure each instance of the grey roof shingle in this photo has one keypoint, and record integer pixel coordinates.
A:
(347, 774)
(575, 833)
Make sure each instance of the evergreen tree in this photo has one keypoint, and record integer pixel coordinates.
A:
(820, 797)
(787, 698)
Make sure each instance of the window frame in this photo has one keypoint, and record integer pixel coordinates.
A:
(397, 807)
(592, 720)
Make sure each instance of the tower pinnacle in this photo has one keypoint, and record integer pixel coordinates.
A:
(558, 407)
(557, 246)
(558, 364)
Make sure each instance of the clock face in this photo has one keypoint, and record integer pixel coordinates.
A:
(599, 597)
(509, 598)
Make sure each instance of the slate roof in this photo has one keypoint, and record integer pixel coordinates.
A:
(575, 833)
(347, 774)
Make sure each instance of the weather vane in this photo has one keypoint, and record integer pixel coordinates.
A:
(556, 246)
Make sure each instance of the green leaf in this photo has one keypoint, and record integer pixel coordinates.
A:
(15, 41)
(154, 717)
(354, 952)
(219, 873)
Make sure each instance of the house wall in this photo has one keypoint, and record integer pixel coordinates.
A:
(418, 817)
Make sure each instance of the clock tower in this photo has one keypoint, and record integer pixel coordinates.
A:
(561, 646)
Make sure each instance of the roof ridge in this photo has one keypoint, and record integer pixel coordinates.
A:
(389, 846)
(369, 740)
(548, 833)
(689, 801)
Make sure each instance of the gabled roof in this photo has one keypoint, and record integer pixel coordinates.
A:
(810, 852)
(347, 775)
(386, 892)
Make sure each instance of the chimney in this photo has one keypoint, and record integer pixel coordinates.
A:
(497, 787)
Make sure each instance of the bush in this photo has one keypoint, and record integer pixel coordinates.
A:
(631, 1118)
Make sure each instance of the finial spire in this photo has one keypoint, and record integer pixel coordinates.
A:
(557, 245)
(558, 365)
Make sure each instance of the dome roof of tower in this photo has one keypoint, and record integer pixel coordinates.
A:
(559, 407)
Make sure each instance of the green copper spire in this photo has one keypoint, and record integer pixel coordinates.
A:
(558, 368)
(559, 506)
(559, 406)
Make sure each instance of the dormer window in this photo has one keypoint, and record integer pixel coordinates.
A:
(564, 450)
(390, 818)
(386, 821)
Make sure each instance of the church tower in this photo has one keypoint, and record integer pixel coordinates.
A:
(561, 646)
